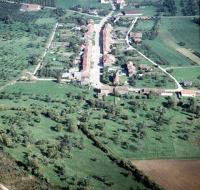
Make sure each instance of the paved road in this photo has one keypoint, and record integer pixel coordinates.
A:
(2, 187)
(130, 47)
(95, 70)
(46, 49)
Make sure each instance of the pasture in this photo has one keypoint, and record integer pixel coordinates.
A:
(38, 137)
(171, 37)
(86, 4)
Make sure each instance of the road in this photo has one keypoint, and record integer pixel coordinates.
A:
(95, 70)
(2, 187)
(130, 47)
(46, 49)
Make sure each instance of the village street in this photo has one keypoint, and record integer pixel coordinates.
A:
(95, 70)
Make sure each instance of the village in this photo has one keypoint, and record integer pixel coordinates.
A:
(97, 60)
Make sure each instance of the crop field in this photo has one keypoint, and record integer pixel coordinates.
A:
(172, 174)
(37, 119)
(171, 37)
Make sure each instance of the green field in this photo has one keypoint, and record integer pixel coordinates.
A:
(82, 3)
(36, 142)
(22, 41)
(168, 39)
(187, 74)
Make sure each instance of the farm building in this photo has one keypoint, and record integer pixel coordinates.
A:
(108, 60)
(90, 30)
(87, 56)
(107, 38)
(116, 78)
(188, 93)
(105, 1)
(121, 90)
(30, 7)
(186, 83)
(137, 37)
(145, 67)
(131, 68)
(120, 4)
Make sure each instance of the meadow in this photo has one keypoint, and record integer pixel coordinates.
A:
(82, 3)
(45, 137)
(170, 37)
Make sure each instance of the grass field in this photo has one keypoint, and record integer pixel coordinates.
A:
(187, 74)
(83, 3)
(164, 143)
(80, 159)
(169, 37)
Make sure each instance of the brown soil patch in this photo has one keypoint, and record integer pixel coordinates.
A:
(189, 54)
(172, 174)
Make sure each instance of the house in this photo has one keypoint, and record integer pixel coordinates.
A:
(105, 1)
(108, 60)
(105, 90)
(121, 89)
(145, 67)
(116, 78)
(87, 56)
(30, 7)
(90, 30)
(188, 93)
(137, 37)
(131, 69)
(186, 83)
(120, 4)
(107, 38)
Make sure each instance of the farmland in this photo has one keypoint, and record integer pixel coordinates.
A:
(89, 95)
(172, 174)
(170, 37)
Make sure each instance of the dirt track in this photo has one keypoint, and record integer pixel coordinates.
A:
(172, 174)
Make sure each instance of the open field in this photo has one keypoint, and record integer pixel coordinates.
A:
(44, 143)
(170, 36)
(172, 174)
(190, 74)
(82, 3)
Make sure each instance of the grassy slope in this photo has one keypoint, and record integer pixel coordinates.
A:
(171, 33)
(80, 164)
